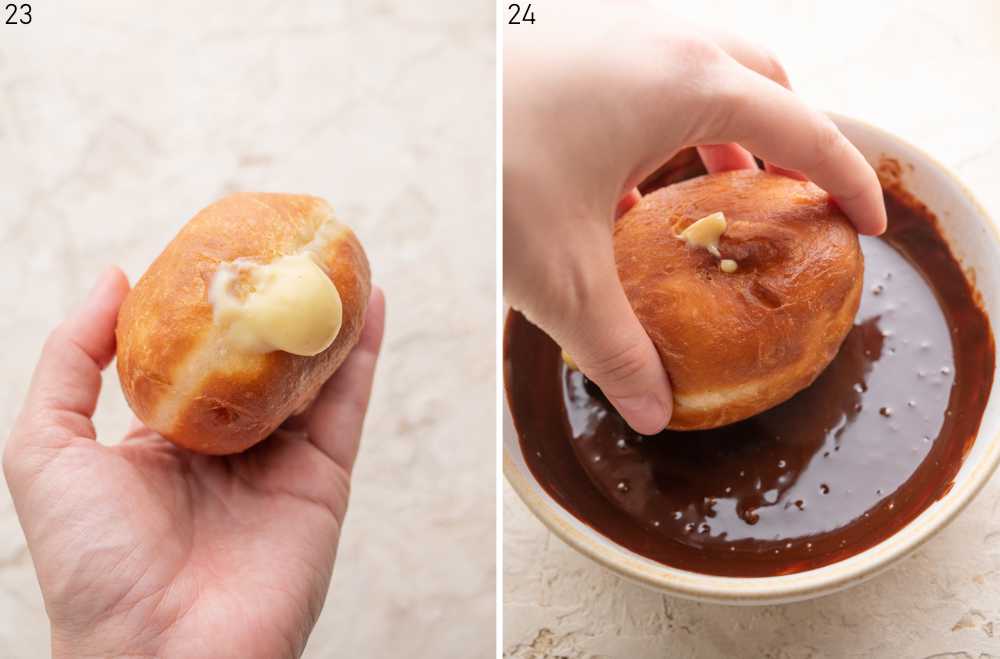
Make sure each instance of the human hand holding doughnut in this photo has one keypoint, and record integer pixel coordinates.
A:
(147, 549)
(592, 108)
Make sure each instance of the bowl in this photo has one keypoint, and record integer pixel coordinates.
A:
(975, 241)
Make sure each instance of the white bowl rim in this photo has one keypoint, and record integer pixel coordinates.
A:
(783, 588)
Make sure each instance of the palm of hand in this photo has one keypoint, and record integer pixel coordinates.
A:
(142, 539)
(144, 549)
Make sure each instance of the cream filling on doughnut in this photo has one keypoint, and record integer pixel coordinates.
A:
(292, 305)
(216, 352)
(569, 361)
(706, 233)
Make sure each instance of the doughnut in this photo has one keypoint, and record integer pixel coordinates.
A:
(747, 283)
(238, 323)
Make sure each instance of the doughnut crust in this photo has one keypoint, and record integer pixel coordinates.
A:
(178, 372)
(736, 344)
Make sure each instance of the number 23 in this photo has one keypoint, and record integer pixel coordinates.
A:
(25, 14)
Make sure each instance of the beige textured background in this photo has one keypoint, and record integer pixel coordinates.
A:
(927, 71)
(120, 119)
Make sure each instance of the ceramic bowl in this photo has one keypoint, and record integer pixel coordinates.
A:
(975, 240)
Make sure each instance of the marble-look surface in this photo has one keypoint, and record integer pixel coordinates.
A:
(119, 120)
(927, 72)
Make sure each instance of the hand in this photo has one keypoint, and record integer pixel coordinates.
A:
(144, 549)
(595, 102)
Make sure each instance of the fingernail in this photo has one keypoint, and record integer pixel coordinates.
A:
(102, 282)
(644, 413)
(101, 286)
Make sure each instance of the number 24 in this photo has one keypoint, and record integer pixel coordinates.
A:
(25, 14)
(518, 16)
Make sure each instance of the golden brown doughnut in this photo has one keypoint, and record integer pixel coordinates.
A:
(735, 344)
(184, 370)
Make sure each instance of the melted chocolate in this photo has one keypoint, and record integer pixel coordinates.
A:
(841, 466)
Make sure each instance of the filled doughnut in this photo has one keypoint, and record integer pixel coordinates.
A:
(245, 314)
(747, 283)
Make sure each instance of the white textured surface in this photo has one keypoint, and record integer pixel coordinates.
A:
(118, 123)
(927, 72)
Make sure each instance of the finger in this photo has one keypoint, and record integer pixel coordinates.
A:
(775, 124)
(67, 379)
(728, 157)
(762, 61)
(605, 339)
(725, 157)
(626, 203)
(753, 56)
(781, 171)
(337, 416)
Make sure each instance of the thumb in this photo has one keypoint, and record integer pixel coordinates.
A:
(67, 379)
(609, 345)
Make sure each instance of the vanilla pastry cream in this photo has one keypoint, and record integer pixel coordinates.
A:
(289, 304)
(570, 362)
(706, 233)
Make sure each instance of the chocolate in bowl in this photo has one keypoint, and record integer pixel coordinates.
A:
(837, 469)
